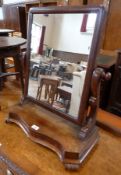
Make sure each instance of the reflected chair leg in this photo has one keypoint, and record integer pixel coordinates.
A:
(46, 91)
(67, 106)
(53, 96)
(32, 72)
(52, 99)
(38, 93)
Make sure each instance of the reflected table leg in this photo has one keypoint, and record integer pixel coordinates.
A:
(2, 69)
(18, 68)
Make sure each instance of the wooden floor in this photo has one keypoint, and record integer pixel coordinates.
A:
(109, 122)
(37, 160)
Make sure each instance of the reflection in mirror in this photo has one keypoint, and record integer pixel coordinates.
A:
(59, 58)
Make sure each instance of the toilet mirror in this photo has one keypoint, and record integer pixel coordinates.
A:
(63, 43)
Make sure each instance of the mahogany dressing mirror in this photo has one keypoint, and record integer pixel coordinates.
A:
(62, 58)
(62, 84)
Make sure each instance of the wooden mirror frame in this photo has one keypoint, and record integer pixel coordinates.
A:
(91, 59)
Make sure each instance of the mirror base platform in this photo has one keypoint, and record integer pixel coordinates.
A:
(57, 134)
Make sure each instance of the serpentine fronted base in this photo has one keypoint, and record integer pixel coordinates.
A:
(51, 131)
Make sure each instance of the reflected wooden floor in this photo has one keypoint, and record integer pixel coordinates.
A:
(35, 159)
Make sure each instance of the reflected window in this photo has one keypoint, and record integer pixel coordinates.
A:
(91, 22)
(38, 32)
(88, 23)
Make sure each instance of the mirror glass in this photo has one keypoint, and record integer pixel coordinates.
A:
(59, 59)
